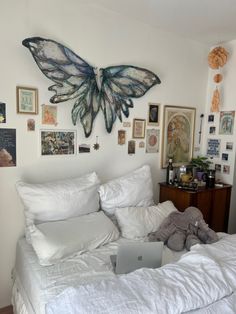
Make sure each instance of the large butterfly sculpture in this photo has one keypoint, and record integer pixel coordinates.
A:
(110, 89)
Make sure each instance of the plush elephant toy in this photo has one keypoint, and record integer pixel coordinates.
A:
(184, 229)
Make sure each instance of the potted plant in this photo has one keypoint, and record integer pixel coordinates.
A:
(201, 165)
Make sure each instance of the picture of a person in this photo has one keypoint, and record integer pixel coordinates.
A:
(6, 158)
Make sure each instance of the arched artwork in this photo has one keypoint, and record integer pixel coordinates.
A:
(110, 89)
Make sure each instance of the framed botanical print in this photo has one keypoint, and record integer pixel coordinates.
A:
(178, 135)
(153, 114)
(139, 128)
(27, 100)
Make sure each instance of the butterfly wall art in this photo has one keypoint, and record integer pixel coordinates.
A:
(109, 89)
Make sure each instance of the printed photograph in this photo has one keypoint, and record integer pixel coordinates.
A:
(141, 144)
(211, 118)
(49, 114)
(218, 167)
(212, 130)
(121, 137)
(7, 147)
(31, 125)
(131, 147)
(139, 128)
(153, 114)
(152, 141)
(58, 142)
(226, 169)
(229, 145)
(2, 112)
(226, 122)
(84, 148)
(225, 157)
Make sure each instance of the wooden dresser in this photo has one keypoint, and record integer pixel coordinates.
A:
(214, 202)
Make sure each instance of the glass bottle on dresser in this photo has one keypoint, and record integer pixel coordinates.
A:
(170, 173)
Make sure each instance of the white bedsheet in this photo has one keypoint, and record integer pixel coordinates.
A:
(205, 275)
(38, 284)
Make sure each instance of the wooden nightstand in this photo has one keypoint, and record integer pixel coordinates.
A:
(213, 202)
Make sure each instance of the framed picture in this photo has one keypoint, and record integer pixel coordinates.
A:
(139, 128)
(58, 142)
(27, 100)
(178, 135)
(152, 141)
(153, 114)
(226, 122)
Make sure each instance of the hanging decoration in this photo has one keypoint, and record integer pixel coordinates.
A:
(96, 146)
(110, 89)
(217, 58)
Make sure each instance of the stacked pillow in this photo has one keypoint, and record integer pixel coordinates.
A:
(55, 213)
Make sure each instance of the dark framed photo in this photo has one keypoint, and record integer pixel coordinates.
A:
(139, 128)
(225, 156)
(27, 100)
(211, 118)
(153, 114)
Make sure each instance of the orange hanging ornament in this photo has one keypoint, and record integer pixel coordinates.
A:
(215, 103)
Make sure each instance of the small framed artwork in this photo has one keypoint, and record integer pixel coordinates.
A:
(226, 169)
(152, 141)
(121, 137)
(2, 112)
(153, 114)
(225, 157)
(139, 128)
(226, 122)
(212, 130)
(218, 167)
(178, 135)
(27, 100)
(229, 145)
(211, 118)
(131, 147)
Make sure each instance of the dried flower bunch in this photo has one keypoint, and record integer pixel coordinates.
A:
(217, 57)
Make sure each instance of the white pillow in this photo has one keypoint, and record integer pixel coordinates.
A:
(137, 222)
(53, 241)
(59, 199)
(134, 189)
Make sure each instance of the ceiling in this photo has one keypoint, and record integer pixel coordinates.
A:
(207, 21)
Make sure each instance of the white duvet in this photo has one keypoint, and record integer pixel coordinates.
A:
(204, 279)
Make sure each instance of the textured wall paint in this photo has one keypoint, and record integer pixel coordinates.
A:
(102, 38)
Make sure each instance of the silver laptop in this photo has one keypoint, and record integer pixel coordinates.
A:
(137, 255)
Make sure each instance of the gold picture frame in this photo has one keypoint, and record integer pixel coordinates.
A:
(178, 135)
(27, 100)
(139, 128)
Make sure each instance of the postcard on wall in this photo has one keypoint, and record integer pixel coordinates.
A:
(57, 142)
(31, 125)
(49, 114)
(226, 169)
(84, 148)
(131, 147)
(2, 112)
(226, 122)
(211, 118)
(141, 144)
(152, 141)
(121, 137)
(212, 130)
(229, 145)
(225, 156)
(218, 167)
(7, 147)
(213, 147)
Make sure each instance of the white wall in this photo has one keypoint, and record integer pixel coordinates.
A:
(102, 38)
(228, 98)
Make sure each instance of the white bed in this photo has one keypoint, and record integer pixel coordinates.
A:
(63, 265)
(35, 285)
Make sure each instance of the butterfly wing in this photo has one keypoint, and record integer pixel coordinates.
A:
(73, 76)
(119, 85)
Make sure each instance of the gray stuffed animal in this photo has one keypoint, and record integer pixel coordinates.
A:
(184, 229)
